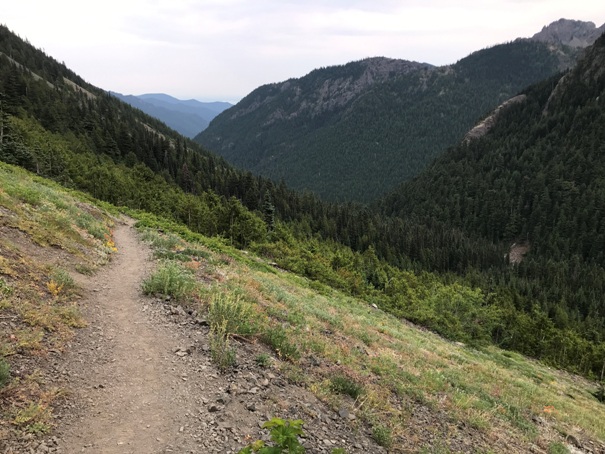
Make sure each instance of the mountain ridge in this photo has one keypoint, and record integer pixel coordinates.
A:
(188, 117)
(354, 131)
(333, 322)
(572, 33)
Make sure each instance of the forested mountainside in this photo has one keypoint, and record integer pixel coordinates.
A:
(537, 179)
(188, 117)
(356, 131)
(56, 125)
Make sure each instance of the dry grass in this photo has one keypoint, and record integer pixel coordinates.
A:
(40, 225)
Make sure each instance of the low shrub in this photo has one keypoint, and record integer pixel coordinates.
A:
(170, 279)
(277, 338)
(5, 372)
(233, 312)
(342, 384)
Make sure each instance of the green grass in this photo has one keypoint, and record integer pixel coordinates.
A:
(280, 341)
(170, 279)
(263, 360)
(382, 435)
(63, 279)
(233, 313)
(342, 384)
(221, 351)
(391, 368)
(5, 372)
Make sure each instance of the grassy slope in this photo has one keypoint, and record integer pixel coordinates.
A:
(46, 236)
(416, 390)
(412, 388)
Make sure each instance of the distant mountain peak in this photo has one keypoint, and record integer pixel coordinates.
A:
(572, 33)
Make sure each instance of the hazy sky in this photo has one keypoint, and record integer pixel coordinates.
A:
(223, 49)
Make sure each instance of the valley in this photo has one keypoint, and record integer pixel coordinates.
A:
(155, 298)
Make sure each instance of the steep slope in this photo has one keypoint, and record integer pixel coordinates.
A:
(346, 134)
(186, 117)
(58, 126)
(537, 178)
(358, 377)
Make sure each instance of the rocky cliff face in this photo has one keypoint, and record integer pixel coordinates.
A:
(324, 89)
(573, 33)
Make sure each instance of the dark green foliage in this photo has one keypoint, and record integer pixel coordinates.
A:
(385, 133)
(537, 178)
(600, 392)
(342, 384)
(382, 435)
(443, 265)
(284, 435)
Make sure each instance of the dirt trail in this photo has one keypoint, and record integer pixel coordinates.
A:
(141, 379)
(136, 396)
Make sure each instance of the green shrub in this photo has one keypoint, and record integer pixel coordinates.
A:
(263, 360)
(342, 384)
(63, 279)
(170, 279)
(5, 372)
(382, 435)
(221, 351)
(5, 289)
(284, 435)
(277, 338)
(235, 314)
(159, 240)
(557, 448)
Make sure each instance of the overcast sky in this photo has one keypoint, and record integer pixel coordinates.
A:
(223, 49)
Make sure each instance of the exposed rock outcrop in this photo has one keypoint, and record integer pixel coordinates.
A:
(488, 123)
(572, 33)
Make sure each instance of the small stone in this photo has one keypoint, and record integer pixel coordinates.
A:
(251, 406)
(222, 399)
(573, 441)
(213, 408)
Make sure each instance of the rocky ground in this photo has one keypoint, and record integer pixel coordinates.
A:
(139, 379)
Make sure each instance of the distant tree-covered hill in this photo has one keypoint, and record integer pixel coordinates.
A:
(353, 132)
(188, 117)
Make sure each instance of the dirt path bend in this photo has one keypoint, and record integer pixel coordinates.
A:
(139, 398)
(141, 381)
